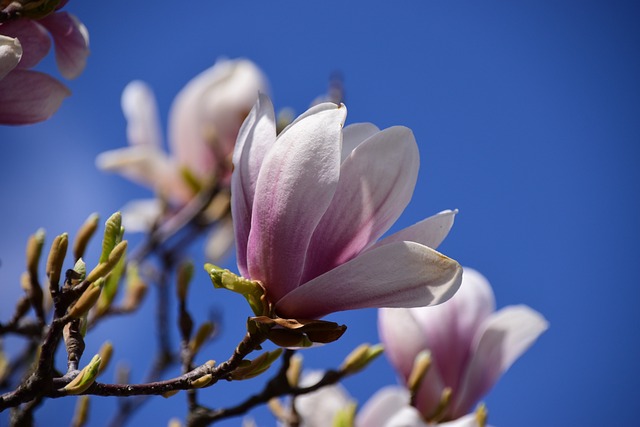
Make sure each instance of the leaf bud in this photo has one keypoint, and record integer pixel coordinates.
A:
(85, 378)
(86, 231)
(359, 358)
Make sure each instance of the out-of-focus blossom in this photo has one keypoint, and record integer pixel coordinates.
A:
(470, 345)
(203, 124)
(309, 206)
(28, 96)
(320, 408)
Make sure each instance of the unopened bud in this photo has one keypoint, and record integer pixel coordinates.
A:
(85, 378)
(87, 300)
(56, 258)
(106, 351)
(256, 366)
(105, 267)
(170, 393)
(174, 422)
(481, 415)
(80, 267)
(202, 381)
(81, 414)
(112, 235)
(295, 368)
(86, 231)
(34, 251)
(346, 416)
(421, 365)
(359, 358)
(185, 274)
(204, 332)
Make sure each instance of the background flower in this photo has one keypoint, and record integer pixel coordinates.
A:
(470, 345)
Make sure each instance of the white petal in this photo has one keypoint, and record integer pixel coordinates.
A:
(504, 337)
(354, 134)
(429, 232)
(382, 406)
(401, 274)
(138, 216)
(141, 111)
(319, 408)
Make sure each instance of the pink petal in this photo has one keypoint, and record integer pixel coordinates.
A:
(10, 54)
(469, 420)
(376, 184)
(141, 111)
(401, 274)
(407, 417)
(504, 337)
(256, 136)
(71, 40)
(34, 39)
(29, 97)
(354, 134)
(449, 330)
(429, 232)
(382, 407)
(297, 180)
(207, 113)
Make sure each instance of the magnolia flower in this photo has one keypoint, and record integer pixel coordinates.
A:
(28, 96)
(469, 346)
(203, 124)
(309, 205)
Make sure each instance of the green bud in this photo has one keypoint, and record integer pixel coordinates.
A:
(85, 378)
(345, 417)
(185, 274)
(295, 368)
(34, 251)
(81, 415)
(80, 267)
(359, 358)
(112, 235)
(106, 351)
(250, 289)
(421, 365)
(56, 258)
(481, 415)
(202, 381)
(103, 268)
(86, 231)
(204, 332)
(256, 366)
(87, 300)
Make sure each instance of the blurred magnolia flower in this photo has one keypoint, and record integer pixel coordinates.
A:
(28, 96)
(309, 205)
(320, 408)
(468, 344)
(203, 125)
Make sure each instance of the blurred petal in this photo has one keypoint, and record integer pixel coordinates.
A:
(10, 54)
(33, 37)
(29, 96)
(219, 241)
(402, 274)
(354, 134)
(449, 330)
(207, 113)
(256, 136)
(402, 337)
(141, 111)
(469, 420)
(406, 417)
(296, 183)
(429, 232)
(382, 406)
(138, 216)
(71, 40)
(319, 408)
(376, 184)
(505, 336)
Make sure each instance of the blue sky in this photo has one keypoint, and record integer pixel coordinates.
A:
(526, 115)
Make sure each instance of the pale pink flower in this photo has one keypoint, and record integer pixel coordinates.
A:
(470, 345)
(309, 205)
(389, 407)
(28, 96)
(203, 124)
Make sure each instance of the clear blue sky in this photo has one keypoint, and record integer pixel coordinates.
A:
(526, 114)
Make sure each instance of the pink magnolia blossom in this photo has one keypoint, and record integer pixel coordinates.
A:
(469, 343)
(309, 205)
(28, 96)
(203, 124)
